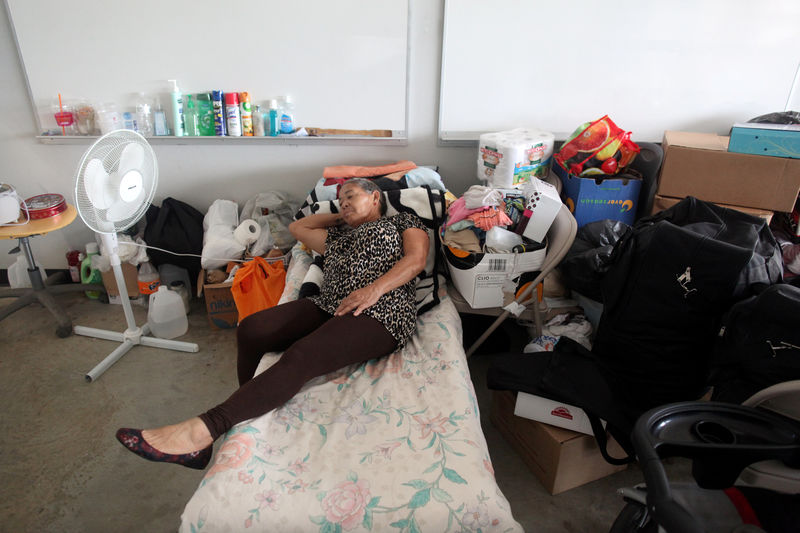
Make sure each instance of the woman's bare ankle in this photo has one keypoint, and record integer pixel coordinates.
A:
(184, 437)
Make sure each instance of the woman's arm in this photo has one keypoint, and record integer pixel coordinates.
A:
(415, 254)
(313, 229)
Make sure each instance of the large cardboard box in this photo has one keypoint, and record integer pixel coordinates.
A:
(614, 198)
(129, 273)
(220, 307)
(664, 202)
(560, 458)
(699, 164)
(483, 279)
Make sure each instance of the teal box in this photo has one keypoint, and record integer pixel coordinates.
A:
(592, 199)
(777, 140)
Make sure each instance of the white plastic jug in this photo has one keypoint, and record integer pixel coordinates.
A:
(166, 314)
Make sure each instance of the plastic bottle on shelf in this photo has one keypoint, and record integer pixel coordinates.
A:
(205, 114)
(274, 119)
(148, 280)
(160, 120)
(246, 112)
(287, 115)
(259, 130)
(144, 116)
(166, 314)
(89, 274)
(108, 117)
(177, 109)
(128, 121)
(233, 119)
(191, 121)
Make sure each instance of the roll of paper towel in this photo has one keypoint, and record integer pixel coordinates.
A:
(508, 159)
(247, 233)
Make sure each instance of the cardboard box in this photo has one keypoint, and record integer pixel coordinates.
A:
(560, 458)
(777, 140)
(482, 277)
(699, 165)
(129, 273)
(220, 307)
(551, 412)
(614, 198)
(664, 202)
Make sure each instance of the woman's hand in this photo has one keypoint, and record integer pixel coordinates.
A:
(358, 300)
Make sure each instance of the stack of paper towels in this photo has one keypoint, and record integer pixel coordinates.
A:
(511, 158)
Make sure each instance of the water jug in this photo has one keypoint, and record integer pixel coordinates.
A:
(89, 274)
(166, 315)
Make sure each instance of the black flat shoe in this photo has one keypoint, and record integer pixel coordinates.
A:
(132, 439)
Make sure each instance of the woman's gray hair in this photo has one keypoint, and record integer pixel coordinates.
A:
(369, 187)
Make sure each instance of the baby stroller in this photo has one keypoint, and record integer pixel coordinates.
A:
(757, 442)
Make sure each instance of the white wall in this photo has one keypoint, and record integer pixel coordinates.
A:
(200, 174)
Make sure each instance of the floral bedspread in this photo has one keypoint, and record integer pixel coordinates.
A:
(393, 444)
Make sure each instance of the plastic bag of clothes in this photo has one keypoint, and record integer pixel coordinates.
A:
(589, 257)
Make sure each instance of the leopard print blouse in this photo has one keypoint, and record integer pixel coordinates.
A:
(355, 257)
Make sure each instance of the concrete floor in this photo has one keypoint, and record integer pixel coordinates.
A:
(62, 470)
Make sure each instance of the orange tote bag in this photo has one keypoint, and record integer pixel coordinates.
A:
(257, 285)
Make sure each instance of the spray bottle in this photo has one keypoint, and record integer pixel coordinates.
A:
(219, 113)
(233, 119)
(258, 122)
(247, 114)
(177, 109)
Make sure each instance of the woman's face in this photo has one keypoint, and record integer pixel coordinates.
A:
(359, 206)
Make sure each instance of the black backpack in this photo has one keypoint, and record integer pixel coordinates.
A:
(759, 344)
(178, 227)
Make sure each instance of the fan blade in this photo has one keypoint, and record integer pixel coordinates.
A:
(131, 159)
(122, 209)
(97, 184)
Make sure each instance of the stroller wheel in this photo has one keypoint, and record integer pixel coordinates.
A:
(634, 518)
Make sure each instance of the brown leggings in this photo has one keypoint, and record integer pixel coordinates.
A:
(314, 343)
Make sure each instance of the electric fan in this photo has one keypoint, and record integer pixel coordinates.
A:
(114, 186)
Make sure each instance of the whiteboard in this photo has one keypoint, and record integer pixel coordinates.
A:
(691, 65)
(344, 63)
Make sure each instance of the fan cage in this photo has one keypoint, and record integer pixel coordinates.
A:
(108, 149)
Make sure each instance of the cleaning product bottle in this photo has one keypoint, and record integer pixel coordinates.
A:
(219, 113)
(177, 109)
(144, 116)
(287, 115)
(274, 119)
(148, 280)
(247, 114)
(166, 314)
(233, 119)
(258, 122)
(89, 274)
(205, 114)
(191, 120)
(160, 120)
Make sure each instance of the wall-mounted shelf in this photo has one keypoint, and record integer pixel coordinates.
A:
(398, 139)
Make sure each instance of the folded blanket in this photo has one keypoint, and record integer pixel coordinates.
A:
(353, 171)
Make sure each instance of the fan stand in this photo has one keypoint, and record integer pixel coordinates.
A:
(133, 335)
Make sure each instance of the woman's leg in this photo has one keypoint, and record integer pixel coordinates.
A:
(339, 342)
(274, 330)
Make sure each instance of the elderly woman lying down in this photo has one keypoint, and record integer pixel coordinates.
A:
(365, 310)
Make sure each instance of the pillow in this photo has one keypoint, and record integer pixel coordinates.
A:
(429, 206)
